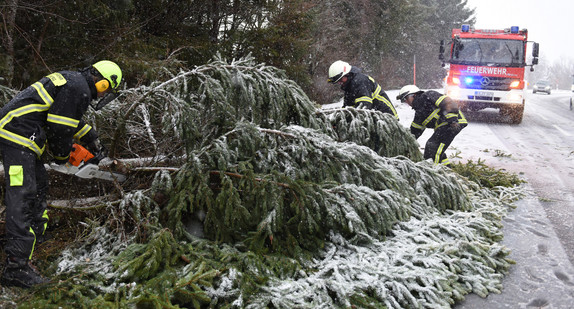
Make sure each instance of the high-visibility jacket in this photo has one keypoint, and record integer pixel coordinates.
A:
(49, 113)
(430, 112)
(363, 89)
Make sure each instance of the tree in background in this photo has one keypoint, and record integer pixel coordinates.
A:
(149, 38)
(8, 14)
(383, 37)
(558, 72)
(45, 36)
(561, 73)
(441, 17)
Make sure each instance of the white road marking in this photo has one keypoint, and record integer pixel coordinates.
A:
(562, 131)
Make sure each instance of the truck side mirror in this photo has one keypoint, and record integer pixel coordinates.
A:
(535, 50)
(534, 62)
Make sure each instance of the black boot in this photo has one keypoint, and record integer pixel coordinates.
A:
(21, 274)
(42, 238)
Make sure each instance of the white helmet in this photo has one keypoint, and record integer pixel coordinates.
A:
(337, 70)
(407, 90)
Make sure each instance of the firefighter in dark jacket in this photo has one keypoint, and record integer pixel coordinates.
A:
(437, 111)
(46, 115)
(360, 89)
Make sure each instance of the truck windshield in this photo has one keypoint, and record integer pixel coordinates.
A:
(488, 52)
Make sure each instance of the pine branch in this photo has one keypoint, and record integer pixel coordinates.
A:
(239, 176)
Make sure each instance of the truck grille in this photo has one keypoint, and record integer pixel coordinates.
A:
(487, 83)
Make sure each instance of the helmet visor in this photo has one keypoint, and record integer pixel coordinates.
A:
(402, 96)
(335, 78)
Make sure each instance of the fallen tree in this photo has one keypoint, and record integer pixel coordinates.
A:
(254, 197)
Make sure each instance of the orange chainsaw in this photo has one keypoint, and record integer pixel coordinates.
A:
(79, 165)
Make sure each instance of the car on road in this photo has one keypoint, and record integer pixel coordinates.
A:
(542, 86)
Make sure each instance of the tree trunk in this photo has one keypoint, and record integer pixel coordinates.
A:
(9, 19)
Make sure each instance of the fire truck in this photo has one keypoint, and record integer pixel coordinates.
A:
(486, 69)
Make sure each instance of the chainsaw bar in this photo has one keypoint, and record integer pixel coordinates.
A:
(88, 171)
(93, 171)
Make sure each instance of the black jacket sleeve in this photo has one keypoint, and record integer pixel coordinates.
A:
(417, 128)
(349, 99)
(65, 114)
(85, 134)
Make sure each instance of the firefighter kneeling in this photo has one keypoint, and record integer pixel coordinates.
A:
(437, 111)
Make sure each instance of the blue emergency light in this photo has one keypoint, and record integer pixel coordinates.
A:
(468, 80)
(465, 28)
(514, 29)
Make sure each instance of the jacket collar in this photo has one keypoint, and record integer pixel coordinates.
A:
(90, 80)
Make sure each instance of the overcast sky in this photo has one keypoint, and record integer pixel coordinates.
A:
(549, 22)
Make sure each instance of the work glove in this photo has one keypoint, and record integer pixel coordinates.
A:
(60, 162)
(98, 150)
(98, 156)
(456, 126)
(451, 118)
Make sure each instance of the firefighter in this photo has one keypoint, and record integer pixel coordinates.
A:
(45, 115)
(437, 111)
(360, 89)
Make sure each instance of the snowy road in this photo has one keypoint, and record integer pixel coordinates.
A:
(543, 147)
(542, 150)
(540, 231)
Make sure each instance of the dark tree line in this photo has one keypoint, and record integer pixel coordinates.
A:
(150, 38)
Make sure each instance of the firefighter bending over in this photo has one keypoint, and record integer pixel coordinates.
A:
(360, 89)
(46, 114)
(437, 111)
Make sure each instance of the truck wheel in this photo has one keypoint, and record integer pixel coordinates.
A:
(516, 114)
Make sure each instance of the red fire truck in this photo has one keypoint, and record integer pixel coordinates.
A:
(486, 69)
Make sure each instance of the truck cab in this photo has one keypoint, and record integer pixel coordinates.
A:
(486, 69)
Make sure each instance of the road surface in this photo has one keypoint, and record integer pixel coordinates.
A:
(540, 232)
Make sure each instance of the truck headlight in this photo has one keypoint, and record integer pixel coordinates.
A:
(515, 97)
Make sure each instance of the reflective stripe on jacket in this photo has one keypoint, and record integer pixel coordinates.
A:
(430, 113)
(363, 90)
(49, 113)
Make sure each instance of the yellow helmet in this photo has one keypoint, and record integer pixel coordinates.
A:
(110, 71)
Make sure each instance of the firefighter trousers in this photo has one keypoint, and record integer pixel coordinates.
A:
(25, 199)
(438, 143)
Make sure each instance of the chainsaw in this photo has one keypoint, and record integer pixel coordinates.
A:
(79, 165)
